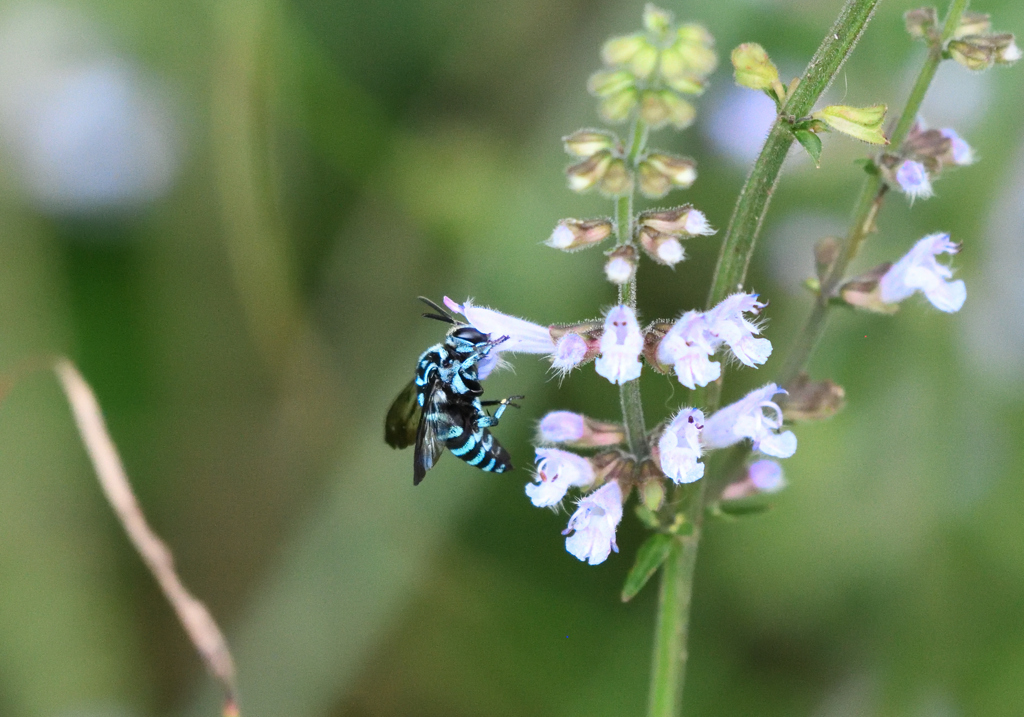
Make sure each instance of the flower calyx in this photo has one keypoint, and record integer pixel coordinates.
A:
(808, 400)
(575, 234)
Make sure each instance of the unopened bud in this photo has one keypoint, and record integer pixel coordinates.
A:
(754, 69)
(610, 82)
(928, 146)
(616, 108)
(809, 400)
(921, 22)
(573, 234)
(644, 61)
(863, 123)
(974, 53)
(588, 142)
(663, 248)
(696, 43)
(678, 171)
(621, 265)
(620, 50)
(864, 292)
(653, 108)
(678, 220)
(617, 179)
(578, 431)
(656, 20)
(589, 172)
(653, 183)
(972, 23)
(652, 492)
(764, 476)
(575, 344)
(1007, 52)
(680, 112)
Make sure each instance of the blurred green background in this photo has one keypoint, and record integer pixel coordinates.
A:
(223, 211)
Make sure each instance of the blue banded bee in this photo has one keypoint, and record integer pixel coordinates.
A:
(441, 406)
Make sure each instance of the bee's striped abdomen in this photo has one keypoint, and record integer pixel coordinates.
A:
(480, 448)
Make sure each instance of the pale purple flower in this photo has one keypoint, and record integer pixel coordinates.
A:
(961, 151)
(697, 224)
(561, 238)
(523, 336)
(679, 449)
(562, 427)
(619, 270)
(766, 476)
(557, 472)
(570, 350)
(919, 271)
(621, 344)
(727, 323)
(593, 524)
(688, 348)
(755, 416)
(913, 180)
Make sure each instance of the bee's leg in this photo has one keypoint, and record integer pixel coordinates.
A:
(485, 421)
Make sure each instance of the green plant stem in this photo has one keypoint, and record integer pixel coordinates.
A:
(752, 203)
(868, 205)
(629, 392)
(670, 653)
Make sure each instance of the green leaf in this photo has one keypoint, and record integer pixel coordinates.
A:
(649, 558)
(811, 142)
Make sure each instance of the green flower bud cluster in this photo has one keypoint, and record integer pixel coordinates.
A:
(650, 71)
(973, 44)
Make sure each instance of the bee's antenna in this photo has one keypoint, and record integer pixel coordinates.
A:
(441, 314)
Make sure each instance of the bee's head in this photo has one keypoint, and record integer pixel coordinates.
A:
(465, 339)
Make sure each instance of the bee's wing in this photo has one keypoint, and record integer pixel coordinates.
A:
(428, 447)
(404, 416)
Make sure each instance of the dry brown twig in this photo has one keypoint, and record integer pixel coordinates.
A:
(195, 618)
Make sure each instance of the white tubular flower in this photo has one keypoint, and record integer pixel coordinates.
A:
(557, 472)
(726, 322)
(755, 416)
(621, 344)
(687, 347)
(913, 180)
(919, 271)
(679, 448)
(523, 336)
(697, 224)
(593, 524)
(959, 149)
(562, 427)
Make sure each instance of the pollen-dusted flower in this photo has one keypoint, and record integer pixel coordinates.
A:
(959, 151)
(913, 179)
(621, 344)
(593, 524)
(688, 349)
(755, 416)
(726, 322)
(557, 472)
(679, 449)
(919, 271)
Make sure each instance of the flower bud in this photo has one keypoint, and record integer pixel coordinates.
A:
(1007, 51)
(644, 61)
(811, 400)
(686, 84)
(652, 491)
(616, 108)
(588, 142)
(621, 264)
(960, 153)
(928, 146)
(578, 430)
(663, 248)
(921, 22)
(974, 53)
(863, 123)
(695, 44)
(589, 172)
(864, 292)
(660, 172)
(764, 476)
(573, 234)
(610, 82)
(971, 23)
(656, 20)
(617, 180)
(653, 108)
(680, 112)
(620, 50)
(575, 344)
(754, 69)
(678, 220)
